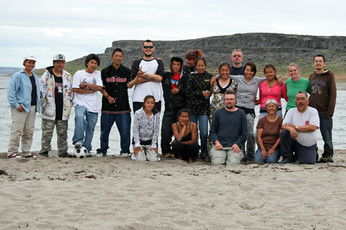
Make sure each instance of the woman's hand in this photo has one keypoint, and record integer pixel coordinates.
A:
(270, 152)
(155, 149)
(136, 150)
(264, 153)
(206, 94)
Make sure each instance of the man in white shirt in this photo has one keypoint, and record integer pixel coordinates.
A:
(86, 83)
(300, 133)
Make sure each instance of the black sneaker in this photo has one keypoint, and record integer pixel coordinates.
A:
(326, 159)
(65, 155)
(287, 160)
(44, 154)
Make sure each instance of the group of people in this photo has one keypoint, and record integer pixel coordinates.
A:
(186, 90)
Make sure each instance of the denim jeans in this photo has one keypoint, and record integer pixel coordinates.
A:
(250, 143)
(270, 159)
(84, 126)
(123, 122)
(305, 155)
(203, 130)
(169, 117)
(326, 126)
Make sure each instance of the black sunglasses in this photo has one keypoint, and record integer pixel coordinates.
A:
(148, 47)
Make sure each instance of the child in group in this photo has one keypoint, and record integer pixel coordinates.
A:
(146, 127)
(185, 146)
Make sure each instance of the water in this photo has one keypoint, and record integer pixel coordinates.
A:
(5, 120)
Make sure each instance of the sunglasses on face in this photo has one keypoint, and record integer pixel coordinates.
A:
(148, 47)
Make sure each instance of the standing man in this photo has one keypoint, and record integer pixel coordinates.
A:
(228, 132)
(146, 75)
(56, 102)
(299, 132)
(86, 83)
(323, 98)
(237, 59)
(115, 104)
(24, 97)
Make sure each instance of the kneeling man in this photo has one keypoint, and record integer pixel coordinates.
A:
(299, 132)
(228, 132)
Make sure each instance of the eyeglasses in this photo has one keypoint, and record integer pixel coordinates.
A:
(236, 56)
(148, 47)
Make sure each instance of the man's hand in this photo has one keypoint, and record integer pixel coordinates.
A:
(174, 91)
(20, 108)
(111, 100)
(235, 148)
(294, 134)
(218, 145)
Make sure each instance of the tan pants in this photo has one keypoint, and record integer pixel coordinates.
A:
(23, 125)
(225, 156)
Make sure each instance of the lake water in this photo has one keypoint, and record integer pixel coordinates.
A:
(5, 120)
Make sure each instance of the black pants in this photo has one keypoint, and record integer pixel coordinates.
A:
(185, 151)
(169, 118)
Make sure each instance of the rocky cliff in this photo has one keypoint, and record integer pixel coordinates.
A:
(261, 48)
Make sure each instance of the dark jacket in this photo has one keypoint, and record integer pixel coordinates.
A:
(173, 101)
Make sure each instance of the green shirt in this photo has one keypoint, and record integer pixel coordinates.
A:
(293, 87)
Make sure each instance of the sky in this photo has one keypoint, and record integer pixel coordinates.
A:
(76, 28)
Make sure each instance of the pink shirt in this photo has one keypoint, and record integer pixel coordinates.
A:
(275, 92)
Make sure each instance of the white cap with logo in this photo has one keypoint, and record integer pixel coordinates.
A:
(59, 57)
(29, 57)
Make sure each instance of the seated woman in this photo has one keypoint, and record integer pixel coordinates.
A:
(185, 145)
(268, 135)
(146, 127)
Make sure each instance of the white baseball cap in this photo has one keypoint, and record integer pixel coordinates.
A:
(59, 57)
(29, 57)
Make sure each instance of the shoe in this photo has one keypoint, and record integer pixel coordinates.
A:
(29, 155)
(287, 160)
(326, 159)
(44, 154)
(14, 155)
(168, 155)
(78, 145)
(124, 155)
(99, 155)
(65, 155)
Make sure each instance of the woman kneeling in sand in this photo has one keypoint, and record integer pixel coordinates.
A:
(146, 128)
(185, 145)
(268, 134)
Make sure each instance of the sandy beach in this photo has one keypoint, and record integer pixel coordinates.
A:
(117, 193)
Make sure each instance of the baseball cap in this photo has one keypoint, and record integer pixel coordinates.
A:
(59, 57)
(29, 57)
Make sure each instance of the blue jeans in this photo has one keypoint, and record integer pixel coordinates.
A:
(203, 130)
(270, 159)
(84, 124)
(305, 155)
(326, 126)
(123, 122)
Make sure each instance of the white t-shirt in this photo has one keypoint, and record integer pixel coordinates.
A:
(309, 117)
(153, 88)
(91, 100)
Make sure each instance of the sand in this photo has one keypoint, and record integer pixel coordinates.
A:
(117, 193)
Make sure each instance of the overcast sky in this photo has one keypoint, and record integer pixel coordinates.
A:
(79, 27)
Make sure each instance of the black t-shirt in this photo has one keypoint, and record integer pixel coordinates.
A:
(59, 101)
(115, 83)
(33, 90)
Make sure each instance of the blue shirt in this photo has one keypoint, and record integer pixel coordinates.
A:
(19, 91)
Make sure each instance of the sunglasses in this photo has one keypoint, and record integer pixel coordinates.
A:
(148, 47)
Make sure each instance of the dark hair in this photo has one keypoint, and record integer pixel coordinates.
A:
(183, 110)
(177, 59)
(229, 91)
(155, 111)
(269, 66)
(193, 54)
(320, 55)
(252, 66)
(224, 64)
(117, 50)
(92, 57)
(201, 59)
(148, 40)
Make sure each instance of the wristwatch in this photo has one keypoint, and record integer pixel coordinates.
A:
(85, 84)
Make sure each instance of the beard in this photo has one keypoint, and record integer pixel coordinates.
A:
(229, 106)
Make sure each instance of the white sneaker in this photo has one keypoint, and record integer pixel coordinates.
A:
(124, 155)
(98, 155)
